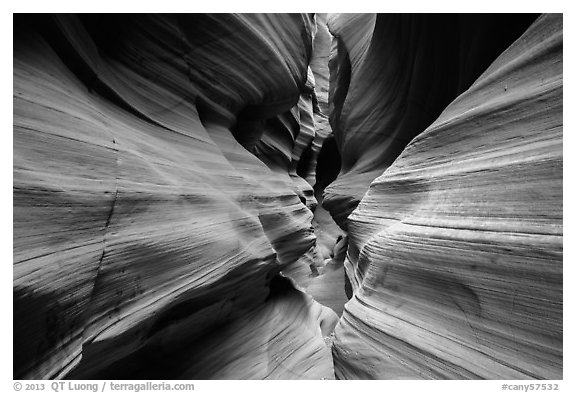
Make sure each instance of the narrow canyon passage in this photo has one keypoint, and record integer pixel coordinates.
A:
(288, 196)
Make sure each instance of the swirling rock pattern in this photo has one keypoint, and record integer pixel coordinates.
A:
(139, 214)
(391, 77)
(171, 174)
(262, 344)
(455, 251)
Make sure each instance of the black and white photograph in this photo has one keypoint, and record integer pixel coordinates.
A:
(287, 196)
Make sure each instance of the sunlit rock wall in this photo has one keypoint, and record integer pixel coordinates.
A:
(455, 252)
(141, 220)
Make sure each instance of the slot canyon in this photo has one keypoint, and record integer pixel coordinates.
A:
(288, 196)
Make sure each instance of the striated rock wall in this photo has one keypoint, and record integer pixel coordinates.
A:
(455, 251)
(391, 77)
(141, 220)
(319, 66)
(175, 178)
(264, 343)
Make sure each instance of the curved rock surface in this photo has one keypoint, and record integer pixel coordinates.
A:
(280, 339)
(199, 196)
(455, 251)
(392, 76)
(139, 214)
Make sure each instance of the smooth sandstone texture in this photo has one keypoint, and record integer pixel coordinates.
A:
(265, 343)
(391, 77)
(140, 217)
(455, 251)
(171, 174)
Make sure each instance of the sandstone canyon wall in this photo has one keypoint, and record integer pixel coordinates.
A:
(455, 251)
(174, 178)
(392, 76)
(141, 220)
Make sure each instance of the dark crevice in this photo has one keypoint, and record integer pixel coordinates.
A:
(348, 286)
(305, 161)
(327, 165)
(340, 76)
(279, 285)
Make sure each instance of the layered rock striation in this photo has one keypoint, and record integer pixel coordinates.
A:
(198, 196)
(455, 251)
(392, 76)
(141, 219)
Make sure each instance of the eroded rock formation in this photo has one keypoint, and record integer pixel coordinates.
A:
(140, 217)
(176, 176)
(392, 76)
(455, 251)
